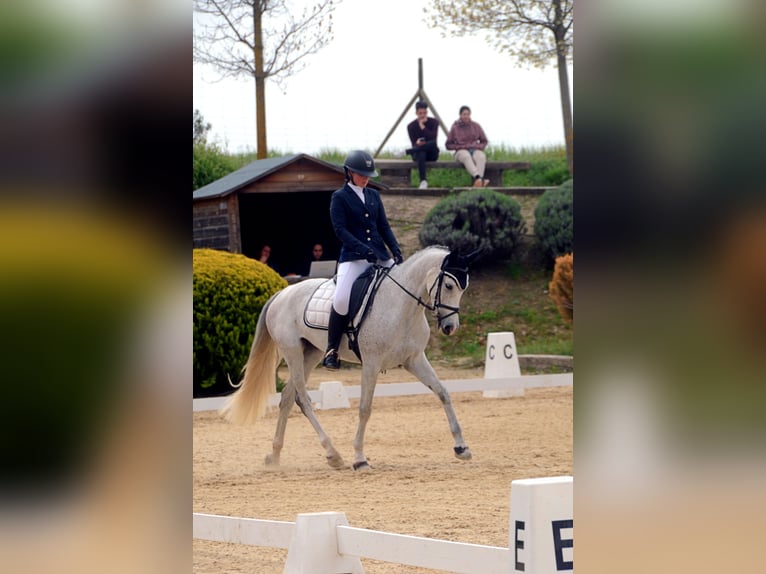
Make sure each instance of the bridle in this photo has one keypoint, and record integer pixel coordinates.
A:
(437, 284)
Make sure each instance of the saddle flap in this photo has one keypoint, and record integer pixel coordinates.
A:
(360, 295)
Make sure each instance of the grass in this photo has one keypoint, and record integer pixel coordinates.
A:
(549, 165)
(548, 168)
(505, 298)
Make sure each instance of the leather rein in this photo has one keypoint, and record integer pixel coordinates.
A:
(438, 283)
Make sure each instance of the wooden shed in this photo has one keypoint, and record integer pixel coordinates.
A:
(280, 201)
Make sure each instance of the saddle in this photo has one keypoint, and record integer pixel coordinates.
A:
(316, 314)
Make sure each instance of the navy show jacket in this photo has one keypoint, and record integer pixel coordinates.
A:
(361, 228)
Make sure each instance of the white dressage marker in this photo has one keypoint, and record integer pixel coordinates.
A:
(502, 361)
(333, 396)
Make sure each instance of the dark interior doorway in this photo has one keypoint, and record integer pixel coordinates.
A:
(291, 223)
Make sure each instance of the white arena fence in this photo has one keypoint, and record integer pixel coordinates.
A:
(541, 538)
(333, 394)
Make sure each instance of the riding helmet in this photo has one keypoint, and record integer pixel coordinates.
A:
(360, 162)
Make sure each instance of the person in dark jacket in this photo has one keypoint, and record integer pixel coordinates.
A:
(423, 133)
(360, 223)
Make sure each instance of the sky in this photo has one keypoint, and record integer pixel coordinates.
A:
(353, 90)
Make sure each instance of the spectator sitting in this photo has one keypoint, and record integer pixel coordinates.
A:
(423, 133)
(317, 254)
(265, 257)
(467, 139)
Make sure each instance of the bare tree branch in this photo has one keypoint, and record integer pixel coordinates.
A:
(262, 39)
(534, 32)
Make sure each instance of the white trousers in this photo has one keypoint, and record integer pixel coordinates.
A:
(348, 271)
(474, 164)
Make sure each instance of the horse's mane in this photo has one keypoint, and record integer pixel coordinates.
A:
(427, 251)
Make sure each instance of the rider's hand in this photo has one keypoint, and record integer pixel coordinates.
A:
(371, 257)
(398, 259)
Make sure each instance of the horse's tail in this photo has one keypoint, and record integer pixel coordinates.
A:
(249, 401)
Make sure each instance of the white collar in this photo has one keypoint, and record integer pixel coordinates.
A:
(359, 191)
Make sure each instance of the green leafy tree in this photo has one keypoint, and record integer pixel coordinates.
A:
(201, 128)
(230, 36)
(534, 32)
(209, 163)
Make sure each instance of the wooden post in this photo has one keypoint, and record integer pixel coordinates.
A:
(420, 94)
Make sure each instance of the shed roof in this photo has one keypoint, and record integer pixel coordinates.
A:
(259, 169)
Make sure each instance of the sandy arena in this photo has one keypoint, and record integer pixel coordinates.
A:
(416, 487)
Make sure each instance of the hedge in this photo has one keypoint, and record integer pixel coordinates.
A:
(229, 292)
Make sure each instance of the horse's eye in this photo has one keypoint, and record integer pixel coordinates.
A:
(448, 286)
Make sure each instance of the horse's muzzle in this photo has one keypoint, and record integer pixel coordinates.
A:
(448, 329)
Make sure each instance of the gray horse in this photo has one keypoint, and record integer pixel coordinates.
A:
(394, 333)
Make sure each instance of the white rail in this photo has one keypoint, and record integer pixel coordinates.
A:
(541, 540)
(417, 388)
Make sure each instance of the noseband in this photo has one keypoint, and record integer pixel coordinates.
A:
(438, 284)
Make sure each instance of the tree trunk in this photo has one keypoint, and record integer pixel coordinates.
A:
(260, 84)
(566, 110)
(559, 33)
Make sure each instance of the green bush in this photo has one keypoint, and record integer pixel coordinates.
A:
(210, 164)
(554, 221)
(229, 292)
(475, 219)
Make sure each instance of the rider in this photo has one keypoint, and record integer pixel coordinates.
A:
(360, 222)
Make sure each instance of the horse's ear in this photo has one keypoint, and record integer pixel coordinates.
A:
(453, 259)
(473, 256)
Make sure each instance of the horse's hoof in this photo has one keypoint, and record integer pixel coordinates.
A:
(363, 466)
(463, 452)
(336, 461)
(271, 460)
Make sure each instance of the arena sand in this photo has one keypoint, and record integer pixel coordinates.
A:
(416, 487)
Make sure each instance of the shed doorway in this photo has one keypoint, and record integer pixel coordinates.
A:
(291, 223)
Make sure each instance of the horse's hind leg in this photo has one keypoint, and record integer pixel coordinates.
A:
(285, 406)
(311, 357)
(286, 403)
(422, 369)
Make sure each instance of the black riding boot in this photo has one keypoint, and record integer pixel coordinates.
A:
(335, 330)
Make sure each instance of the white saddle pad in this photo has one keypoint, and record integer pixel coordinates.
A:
(317, 312)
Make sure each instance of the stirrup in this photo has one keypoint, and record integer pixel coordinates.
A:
(331, 360)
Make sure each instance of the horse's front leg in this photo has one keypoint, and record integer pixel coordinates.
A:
(369, 379)
(422, 369)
